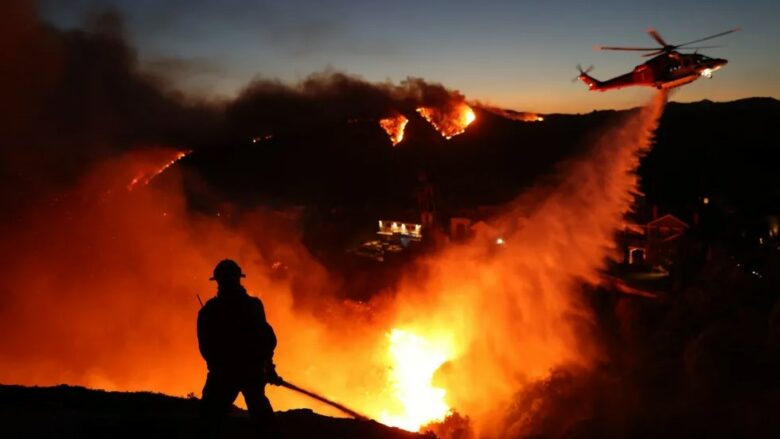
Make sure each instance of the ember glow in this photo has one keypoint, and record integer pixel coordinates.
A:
(144, 176)
(451, 120)
(394, 127)
(413, 362)
(524, 117)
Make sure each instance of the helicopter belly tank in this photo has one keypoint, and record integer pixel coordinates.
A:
(678, 82)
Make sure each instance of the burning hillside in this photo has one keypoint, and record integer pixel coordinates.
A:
(450, 120)
(65, 121)
(270, 106)
(394, 127)
(145, 176)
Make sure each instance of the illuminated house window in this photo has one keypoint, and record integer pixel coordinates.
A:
(391, 228)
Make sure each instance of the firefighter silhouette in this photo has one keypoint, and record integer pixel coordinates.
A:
(238, 344)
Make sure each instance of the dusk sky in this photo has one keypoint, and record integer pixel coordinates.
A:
(514, 54)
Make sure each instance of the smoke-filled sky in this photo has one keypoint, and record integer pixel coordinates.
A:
(517, 54)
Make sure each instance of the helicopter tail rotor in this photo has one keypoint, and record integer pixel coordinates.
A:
(582, 72)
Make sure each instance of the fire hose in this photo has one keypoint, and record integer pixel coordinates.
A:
(324, 400)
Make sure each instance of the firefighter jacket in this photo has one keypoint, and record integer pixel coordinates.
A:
(233, 333)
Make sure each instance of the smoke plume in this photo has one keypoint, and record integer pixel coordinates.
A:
(75, 98)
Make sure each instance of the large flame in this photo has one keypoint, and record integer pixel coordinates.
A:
(451, 120)
(394, 127)
(413, 362)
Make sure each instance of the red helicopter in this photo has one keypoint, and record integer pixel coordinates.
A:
(668, 69)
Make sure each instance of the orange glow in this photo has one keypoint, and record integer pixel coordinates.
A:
(451, 120)
(528, 117)
(100, 291)
(394, 127)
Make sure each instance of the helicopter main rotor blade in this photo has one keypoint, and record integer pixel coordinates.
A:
(644, 49)
(710, 37)
(656, 36)
(665, 47)
(703, 47)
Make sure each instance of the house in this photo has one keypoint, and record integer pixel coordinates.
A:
(654, 243)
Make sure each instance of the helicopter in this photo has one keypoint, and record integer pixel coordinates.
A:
(668, 69)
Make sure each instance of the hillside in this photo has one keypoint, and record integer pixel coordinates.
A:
(701, 146)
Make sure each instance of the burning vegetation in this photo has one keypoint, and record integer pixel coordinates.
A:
(394, 127)
(146, 175)
(449, 120)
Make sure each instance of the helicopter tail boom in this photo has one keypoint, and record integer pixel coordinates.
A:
(591, 82)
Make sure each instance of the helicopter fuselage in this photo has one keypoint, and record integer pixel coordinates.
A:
(665, 71)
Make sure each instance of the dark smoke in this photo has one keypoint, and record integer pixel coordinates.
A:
(329, 98)
(74, 98)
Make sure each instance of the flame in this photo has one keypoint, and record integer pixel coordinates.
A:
(394, 127)
(526, 117)
(414, 360)
(451, 121)
(145, 176)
